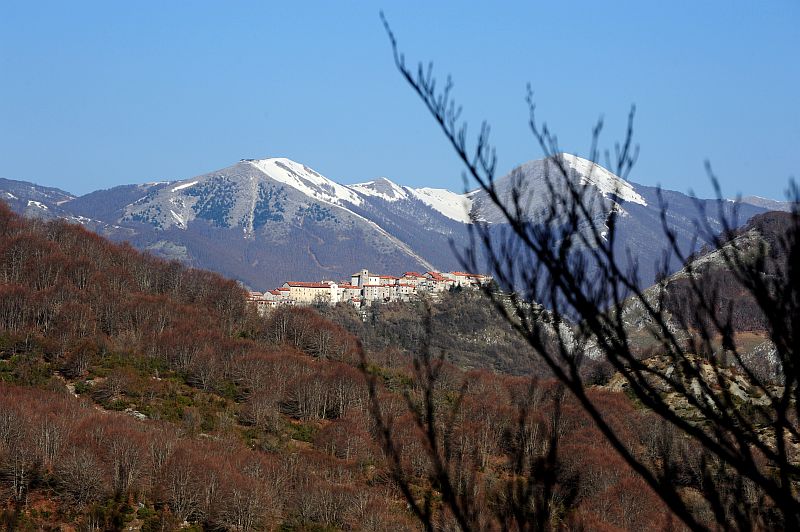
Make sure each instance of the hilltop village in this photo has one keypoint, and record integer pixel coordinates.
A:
(365, 288)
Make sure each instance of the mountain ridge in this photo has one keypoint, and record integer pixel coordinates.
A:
(264, 221)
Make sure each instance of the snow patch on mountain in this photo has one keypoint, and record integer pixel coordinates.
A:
(83, 220)
(381, 188)
(185, 185)
(306, 180)
(32, 203)
(179, 219)
(593, 174)
(452, 205)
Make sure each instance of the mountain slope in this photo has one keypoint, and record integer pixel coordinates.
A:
(769, 204)
(432, 221)
(32, 200)
(259, 221)
(265, 221)
(734, 304)
(639, 225)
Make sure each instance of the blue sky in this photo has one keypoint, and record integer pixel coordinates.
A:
(96, 94)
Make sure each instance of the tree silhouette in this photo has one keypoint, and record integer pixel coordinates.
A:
(578, 289)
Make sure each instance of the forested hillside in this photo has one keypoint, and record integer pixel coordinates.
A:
(462, 324)
(763, 231)
(140, 393)
(707, 297)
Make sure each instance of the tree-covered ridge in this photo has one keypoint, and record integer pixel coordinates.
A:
(182, 397)
(763, 232)
(462, 323)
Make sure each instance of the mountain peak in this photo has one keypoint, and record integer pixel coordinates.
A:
(306, 180)
(381, 188)
(607, 182)
(449, 204)
(266, 220)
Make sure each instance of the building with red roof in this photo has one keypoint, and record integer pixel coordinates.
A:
(366, 287)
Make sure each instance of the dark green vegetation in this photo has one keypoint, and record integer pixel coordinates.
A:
(268, 207)
(215, 200)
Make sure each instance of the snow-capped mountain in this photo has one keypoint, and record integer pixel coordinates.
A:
(265, 221)
(306, 180)
(449, 204)
(271, 220)
(639, 225)
(530, 181)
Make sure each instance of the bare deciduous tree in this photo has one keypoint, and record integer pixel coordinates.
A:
(578, 287)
